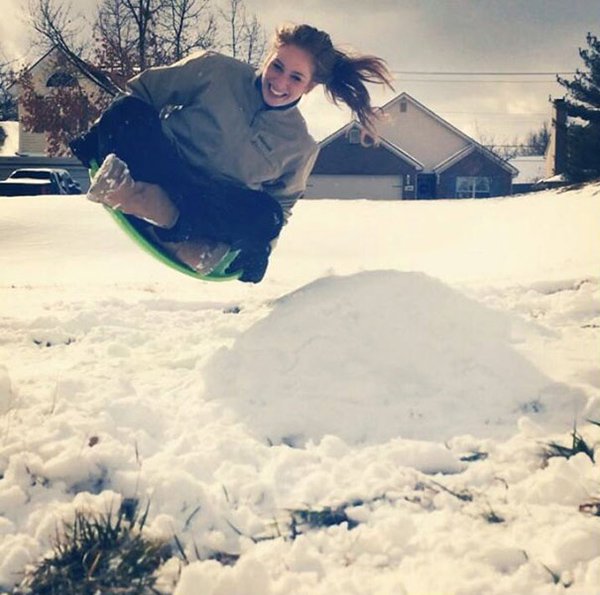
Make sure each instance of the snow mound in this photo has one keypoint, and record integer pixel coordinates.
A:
(425, 362)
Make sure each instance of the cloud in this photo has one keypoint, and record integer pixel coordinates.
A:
(13, 30)
(423, 35)
(450, 36)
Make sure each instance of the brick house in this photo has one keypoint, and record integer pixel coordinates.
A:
(419, 156)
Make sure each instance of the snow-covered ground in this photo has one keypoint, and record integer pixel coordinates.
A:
(406, 361)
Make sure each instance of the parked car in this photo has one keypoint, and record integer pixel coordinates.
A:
(34, 181)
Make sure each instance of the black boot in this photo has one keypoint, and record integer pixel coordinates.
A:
(85, 147)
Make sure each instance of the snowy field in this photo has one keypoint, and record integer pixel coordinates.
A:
(405, 363)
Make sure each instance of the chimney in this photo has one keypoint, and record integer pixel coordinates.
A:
(556, 158)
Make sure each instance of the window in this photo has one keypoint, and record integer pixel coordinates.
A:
(472, 187)
(403, 106)
(61, 79)
(354, 136)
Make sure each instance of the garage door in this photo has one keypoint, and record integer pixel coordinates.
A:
(374, 187)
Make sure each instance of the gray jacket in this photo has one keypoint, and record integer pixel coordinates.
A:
(219, 123)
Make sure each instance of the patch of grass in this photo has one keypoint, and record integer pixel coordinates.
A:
(316, 519)
(100, 554)
(493, 518)
(463, 495)
(305, 519)
(474, 456)
(578, 445)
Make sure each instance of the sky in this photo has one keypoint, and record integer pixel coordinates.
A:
(441, 36)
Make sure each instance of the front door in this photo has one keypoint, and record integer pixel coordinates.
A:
(426, 185)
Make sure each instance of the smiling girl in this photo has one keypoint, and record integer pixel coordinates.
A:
(213, 154)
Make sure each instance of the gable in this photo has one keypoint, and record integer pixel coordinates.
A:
(476, 164)
(419, 131)
(54, 70)
(70, 69)
(475, 154)
(342, 154)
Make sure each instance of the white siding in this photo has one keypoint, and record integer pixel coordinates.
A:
(31, 143)
(419, 134)
(345, 186)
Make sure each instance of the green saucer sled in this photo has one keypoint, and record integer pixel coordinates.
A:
(137, 230)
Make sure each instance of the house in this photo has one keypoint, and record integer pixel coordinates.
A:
(419, 156)
(56, 68)
(532, 169)
(53, 70)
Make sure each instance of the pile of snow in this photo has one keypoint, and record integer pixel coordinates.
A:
(378, 355)
(408, 361)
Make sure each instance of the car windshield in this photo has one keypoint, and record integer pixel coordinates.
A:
(34, 175)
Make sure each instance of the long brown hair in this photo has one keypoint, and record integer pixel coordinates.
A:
(343, 73)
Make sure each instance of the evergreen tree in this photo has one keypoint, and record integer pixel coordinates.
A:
(583, 103)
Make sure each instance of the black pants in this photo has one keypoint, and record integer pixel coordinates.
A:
(248, 220)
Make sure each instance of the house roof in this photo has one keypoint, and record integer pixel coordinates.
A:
(472, 145)
(532, 168)
(459, 155)
(383, 142)
(96, 76)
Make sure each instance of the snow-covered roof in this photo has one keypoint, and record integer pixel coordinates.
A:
(11, 143)
(459, 155)
(531, 168)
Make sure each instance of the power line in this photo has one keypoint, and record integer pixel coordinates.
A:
(475, 73)
(479, 81)
(511, 114)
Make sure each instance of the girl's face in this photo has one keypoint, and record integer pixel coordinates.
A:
(287, 76)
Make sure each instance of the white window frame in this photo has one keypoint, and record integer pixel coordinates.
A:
(354, 136)
(473, 187)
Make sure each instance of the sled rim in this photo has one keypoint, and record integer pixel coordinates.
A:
(159, 253)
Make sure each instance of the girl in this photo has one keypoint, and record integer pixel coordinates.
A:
(213, 154)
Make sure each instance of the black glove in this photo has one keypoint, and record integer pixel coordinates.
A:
(253, 261)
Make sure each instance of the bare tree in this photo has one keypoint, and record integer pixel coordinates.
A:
(256, 42)
(115, 39)
(185, 26)
(501, 149)
(245, 38)
(129, 36)
(143, 13)
(132, 35)
(536, 141)
(52, 20)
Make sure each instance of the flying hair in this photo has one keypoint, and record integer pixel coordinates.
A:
(344, 74)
